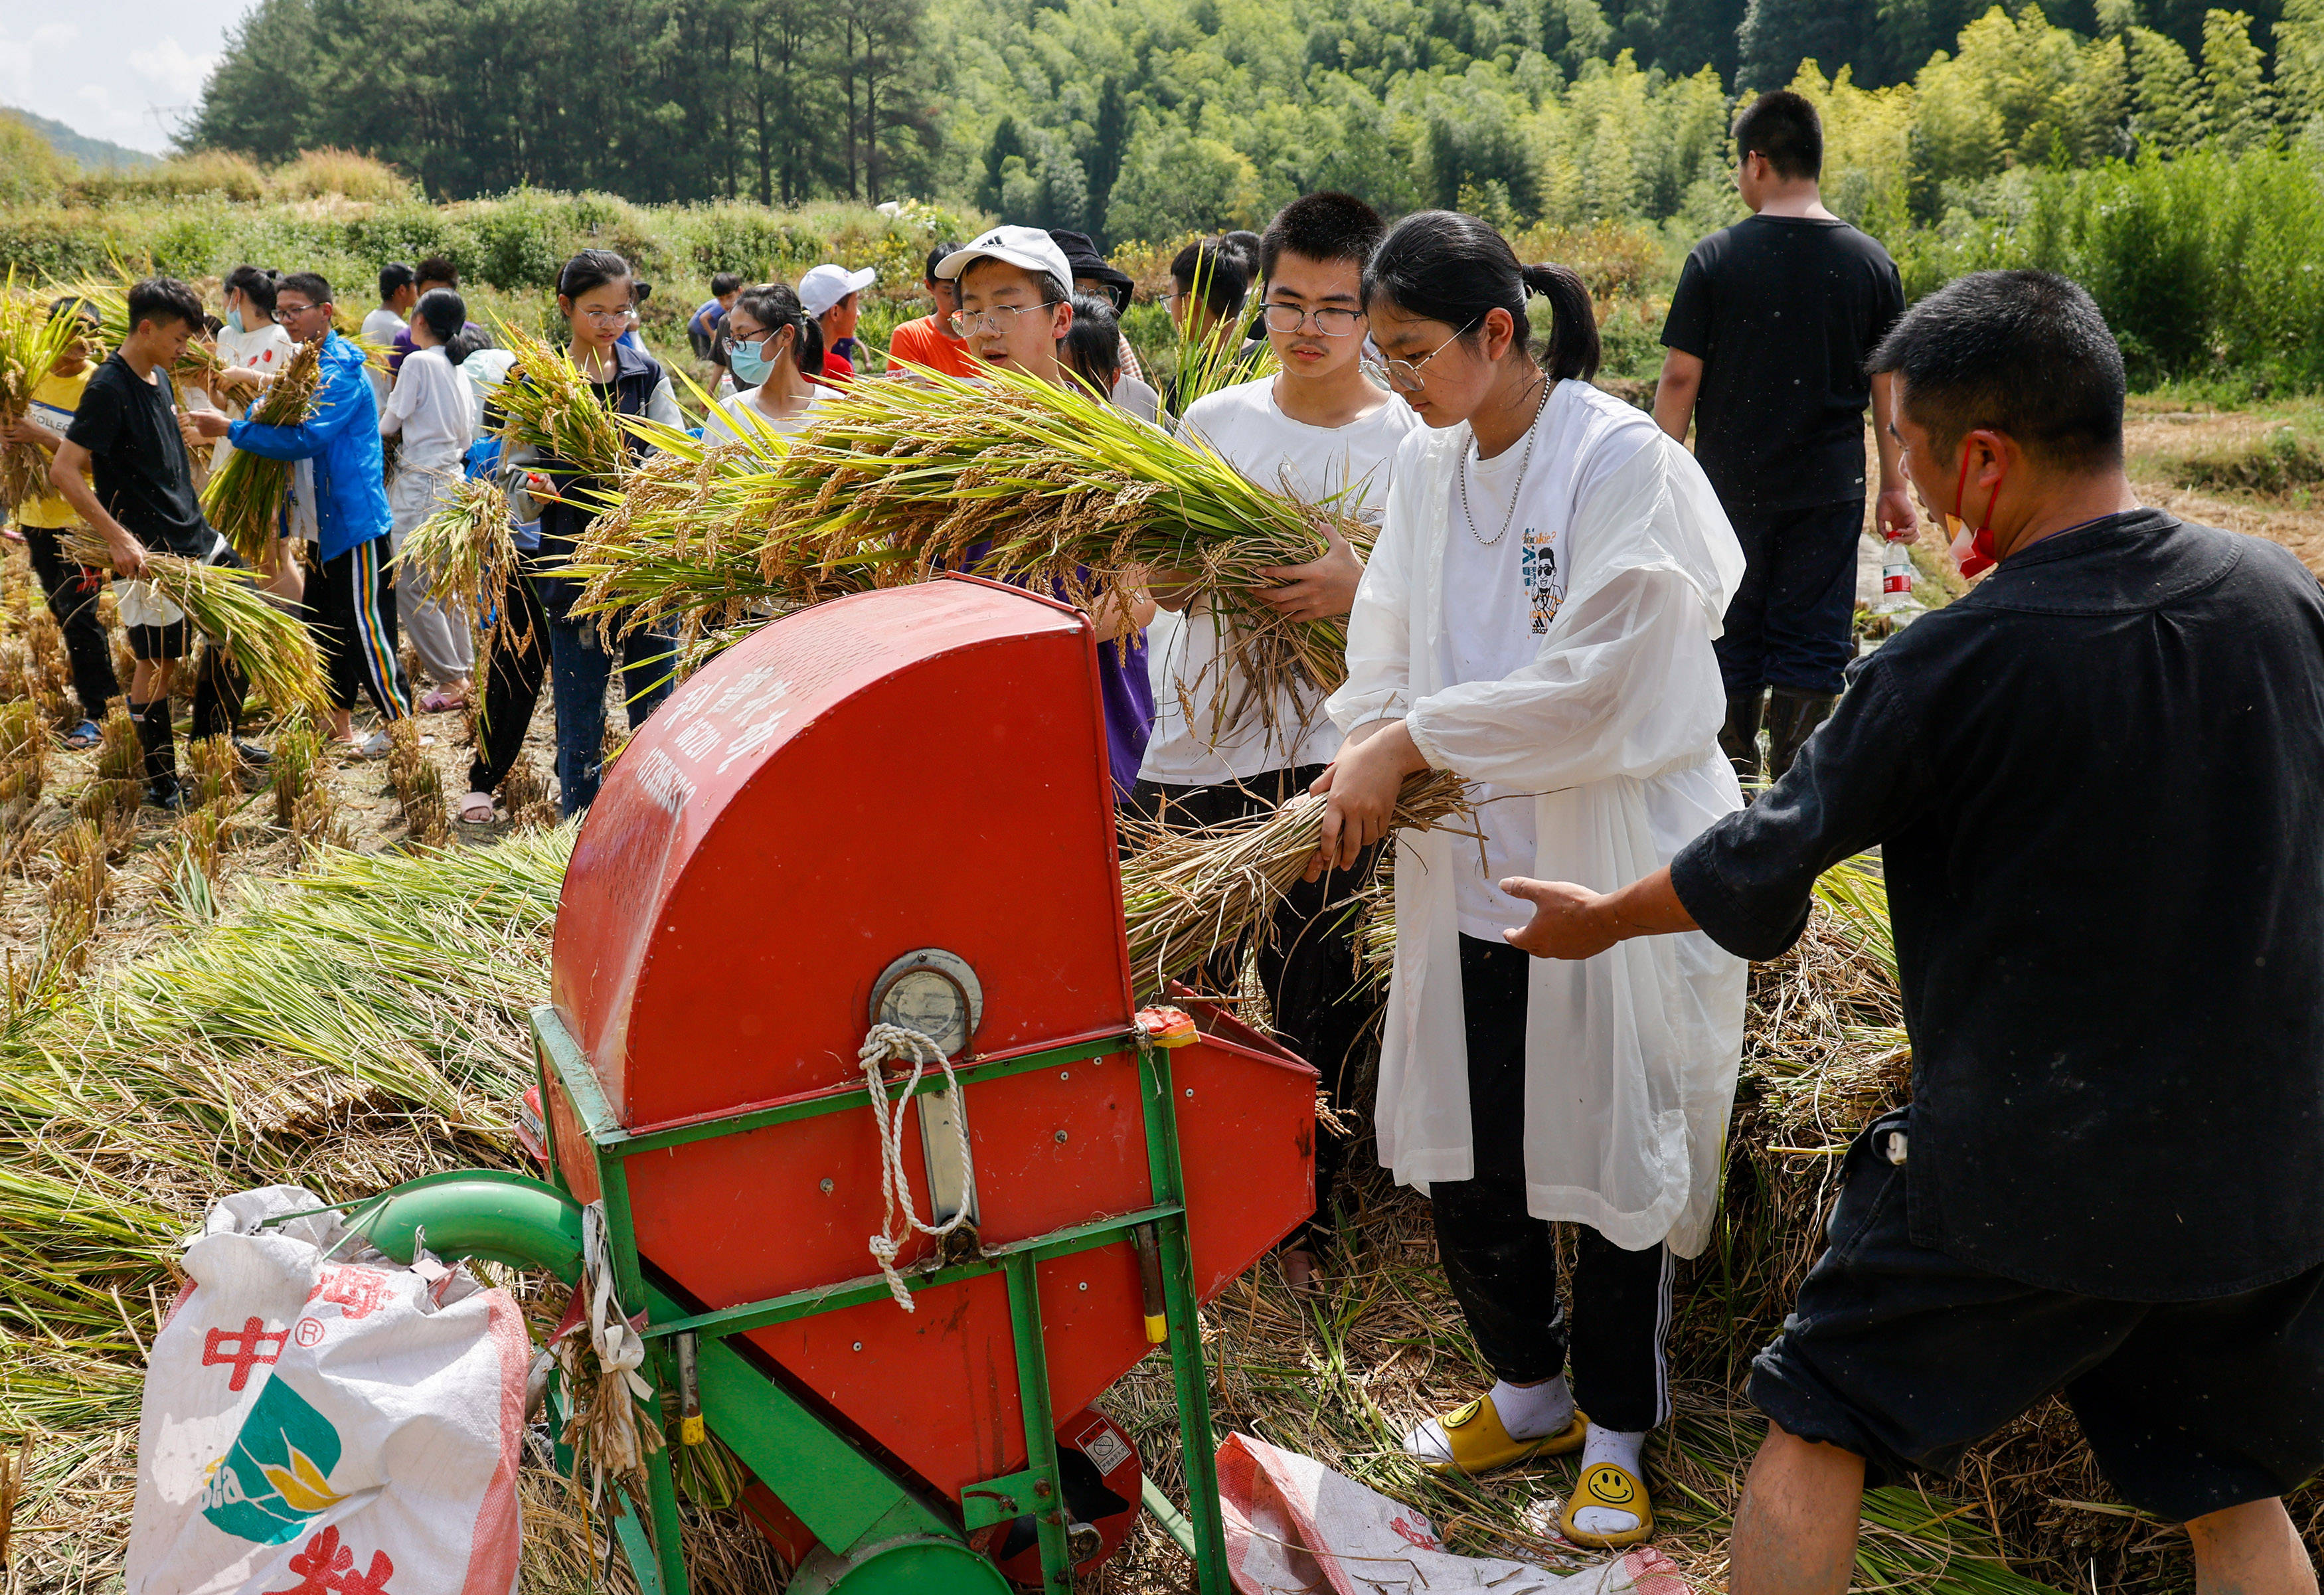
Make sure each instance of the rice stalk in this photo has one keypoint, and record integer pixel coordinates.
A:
(30, 343)
(51, 673)
(244, 499)
(217, 769)
(23, 763)
(1204, 364)
(532, 802)
(297, 752)
(316, 823)
(112, 797)
(77, 897)
(419, 784)
(274, 651)
(1187, 893)
(463, 555)
(547, 405)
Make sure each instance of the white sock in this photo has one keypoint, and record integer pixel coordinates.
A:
(1621, 1448)
(1529, 1412)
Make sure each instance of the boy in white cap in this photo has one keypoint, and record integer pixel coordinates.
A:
(833, 296)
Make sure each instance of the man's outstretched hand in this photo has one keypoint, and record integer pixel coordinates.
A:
(1571, 921)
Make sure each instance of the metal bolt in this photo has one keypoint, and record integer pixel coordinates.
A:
(1061, 1138)
(1041, 1488)
(827, 1187)
(1065, 1073)
(1085, 1284)
(858, 1345)
(1190, 1091)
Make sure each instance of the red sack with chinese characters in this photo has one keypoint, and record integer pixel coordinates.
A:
(320, 1421)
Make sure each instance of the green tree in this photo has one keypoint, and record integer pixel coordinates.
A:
(2241, 112)
(259, 99)
(2166, 101)
(1173, 183)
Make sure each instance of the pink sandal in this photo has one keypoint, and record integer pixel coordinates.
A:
(477, 809)
(442, 703)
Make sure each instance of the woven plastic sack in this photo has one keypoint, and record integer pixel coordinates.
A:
(320, 1421)
(1293, 1525)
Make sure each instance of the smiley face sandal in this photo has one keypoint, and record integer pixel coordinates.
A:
(1613, 1488)
(1472, 1439)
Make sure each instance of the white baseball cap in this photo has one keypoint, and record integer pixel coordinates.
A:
(826, 285)
(1028, 248)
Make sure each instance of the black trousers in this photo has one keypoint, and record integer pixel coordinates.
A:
(1789, 623)
(1308, 967)
(517, 665)
(350, 606)
(72, 589)
(1502, 1262)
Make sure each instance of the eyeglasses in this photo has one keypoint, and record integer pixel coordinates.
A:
(282, 310)
(1403, 375)
(1331, 321)
(603, 318)
(1000, 320)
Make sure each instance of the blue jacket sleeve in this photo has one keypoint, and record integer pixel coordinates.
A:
(335, 409)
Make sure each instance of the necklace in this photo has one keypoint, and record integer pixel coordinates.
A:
(1533, 430)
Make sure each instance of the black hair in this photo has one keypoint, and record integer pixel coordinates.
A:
(1246, 244)
(2024, 352)
(592, 268)
(78, 309)
(161, 299)
(437, 268)
(254, 283)
(1456, 269)
(393, 278)
(775, 306)
(936, 258)
(447, 316)
(1327, 226)
(723, 283)
(1091, 346)
(1220, 272)
(310, 283)
(1783, 127)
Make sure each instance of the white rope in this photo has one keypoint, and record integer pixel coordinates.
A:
(903, 1043)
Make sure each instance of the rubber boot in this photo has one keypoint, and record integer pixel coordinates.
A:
(1738, 739)
(1792, 716)
(159, 741)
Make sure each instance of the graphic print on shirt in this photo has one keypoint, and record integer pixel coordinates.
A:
(1545, 583)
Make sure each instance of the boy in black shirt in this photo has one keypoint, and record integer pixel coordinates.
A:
(1768, 333)
(2096, 783)
(125, 435)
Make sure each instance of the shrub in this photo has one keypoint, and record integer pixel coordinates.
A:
(183, 177)
(318, 174)
(30, 171)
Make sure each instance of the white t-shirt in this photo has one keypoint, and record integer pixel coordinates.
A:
(737, 411)
(265, 350)
(1499, 600)
(433, 409)
(484, 371)
(381, 326)
(1250, 430)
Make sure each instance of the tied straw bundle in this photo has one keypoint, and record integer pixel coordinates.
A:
(549, 406)
(684, 540)
(1185, 894)
(273, 650)
(244, 499)
(1026, 482)
(464, 554)
(31, 342)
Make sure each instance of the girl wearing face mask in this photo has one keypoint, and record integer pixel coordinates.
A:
(773, 347)
(253, 350)
(595, 295)
(1538, 618)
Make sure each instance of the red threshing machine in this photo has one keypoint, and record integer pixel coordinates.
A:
(890, 810)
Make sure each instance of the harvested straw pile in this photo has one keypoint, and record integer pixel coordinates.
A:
(275, 650)
(547, 405)
(30, 344)
(244, 498)
(1186, 894)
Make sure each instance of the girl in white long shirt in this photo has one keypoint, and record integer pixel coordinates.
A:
(1538, 618)
(432, 409)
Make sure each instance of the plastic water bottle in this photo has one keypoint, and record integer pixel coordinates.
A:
(1897, 579)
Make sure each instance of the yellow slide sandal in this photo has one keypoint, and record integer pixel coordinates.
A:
(1613, 1487)
(1479, 1444)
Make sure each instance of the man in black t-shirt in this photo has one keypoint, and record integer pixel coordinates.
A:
(1767, 334)
(138, 495)
(2096, 783)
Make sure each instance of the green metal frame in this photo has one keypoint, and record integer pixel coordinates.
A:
(849, 1499)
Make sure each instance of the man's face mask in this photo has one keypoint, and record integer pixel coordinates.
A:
(1973, 550)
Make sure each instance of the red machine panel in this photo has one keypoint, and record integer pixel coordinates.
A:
(918, 768)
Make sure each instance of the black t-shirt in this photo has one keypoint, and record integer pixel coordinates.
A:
(2096, 784)
(138, 460)
(1783, 311)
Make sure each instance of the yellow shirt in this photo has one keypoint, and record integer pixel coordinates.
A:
(54, 399)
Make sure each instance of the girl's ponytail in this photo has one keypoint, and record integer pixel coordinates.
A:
(1573, 349)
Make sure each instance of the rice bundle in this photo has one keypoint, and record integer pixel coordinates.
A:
(243, 500)
(29, 342)
(1186, 894)
(273, 650)
(547, 405)
(78, 894)
(109, 299)
(464, 554)
(1049, 486)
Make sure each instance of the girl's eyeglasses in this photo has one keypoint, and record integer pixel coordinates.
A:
(1403, 375)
